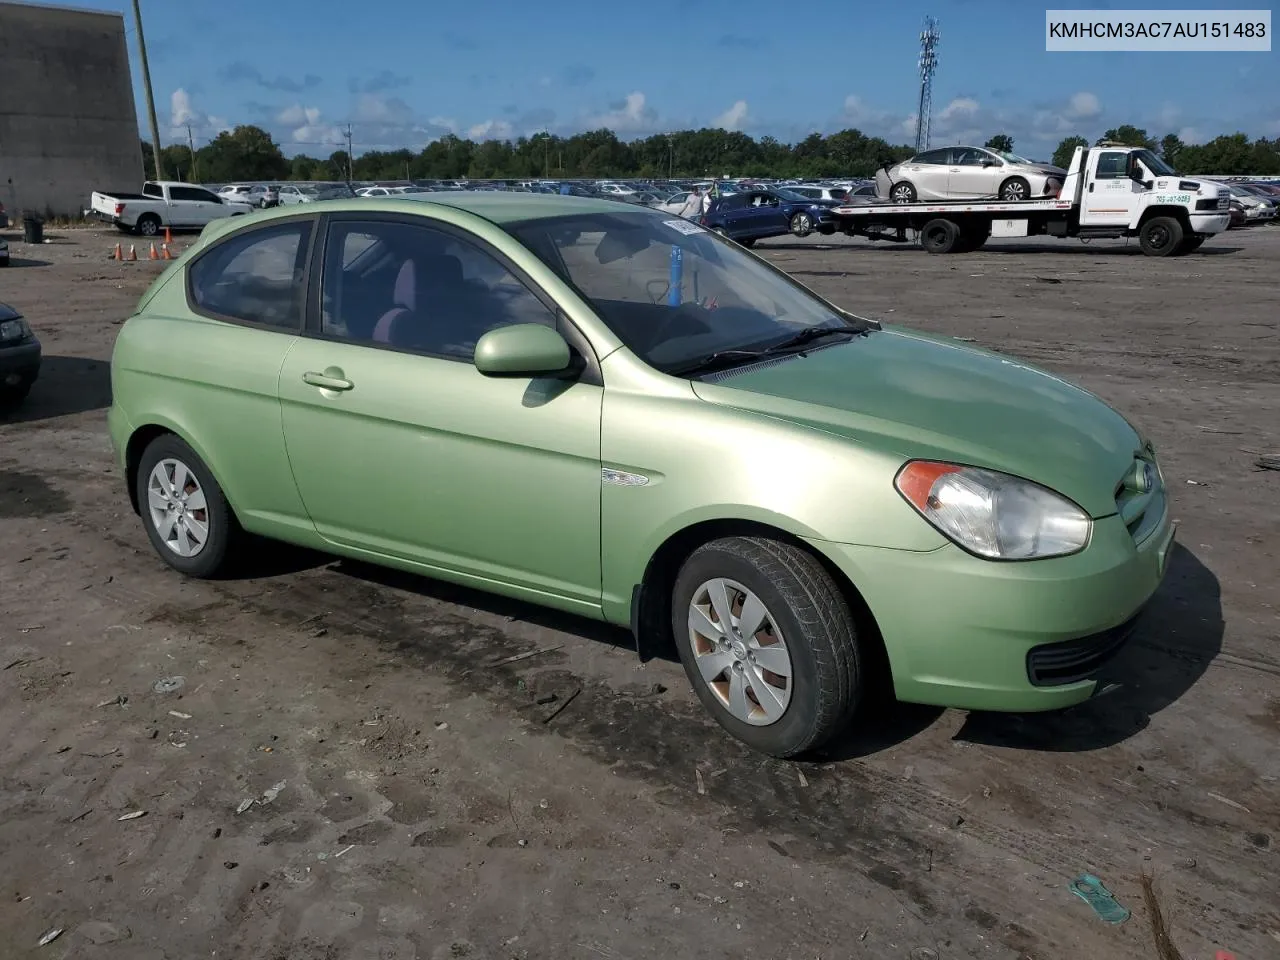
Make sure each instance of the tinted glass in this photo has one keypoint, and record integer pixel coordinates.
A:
(1113, 165)
(189, 193)
(933, 156)
(717, 296)
(255, 276)
(968, 157)
(414, 287)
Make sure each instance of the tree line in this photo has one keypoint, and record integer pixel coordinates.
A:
(249, 153)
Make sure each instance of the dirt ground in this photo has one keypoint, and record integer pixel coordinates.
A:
(417, 797)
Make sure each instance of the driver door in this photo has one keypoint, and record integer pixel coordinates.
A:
(402, 449)
(1111, 198)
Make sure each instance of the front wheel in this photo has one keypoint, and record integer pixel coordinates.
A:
(801, 224)
(768, 642)
(1160, 236)
(185, 513)
(1015, 189)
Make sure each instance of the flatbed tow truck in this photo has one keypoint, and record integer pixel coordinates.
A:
(1110, 190)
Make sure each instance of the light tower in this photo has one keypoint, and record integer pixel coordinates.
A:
(928, 64)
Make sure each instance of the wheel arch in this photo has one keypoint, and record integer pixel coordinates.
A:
(142, 437)
(1167, 210)
(651, 598)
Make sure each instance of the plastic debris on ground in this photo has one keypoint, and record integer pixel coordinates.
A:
(1091, 890)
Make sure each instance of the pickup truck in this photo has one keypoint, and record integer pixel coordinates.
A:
(179, 206)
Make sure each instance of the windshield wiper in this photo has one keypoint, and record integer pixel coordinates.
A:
(721, 359)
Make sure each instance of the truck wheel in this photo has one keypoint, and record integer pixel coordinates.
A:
(148, 225)
(1015, 189)
(903, 192)
(940, 236)
(802, 224)
(1160, 236)
(768, 643)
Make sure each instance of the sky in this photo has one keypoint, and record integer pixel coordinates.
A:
(404, 72)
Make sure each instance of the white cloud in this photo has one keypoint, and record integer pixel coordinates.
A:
(961, 108)
(630, 115)
(733, 118)
(183, 113)
(1191, 135)
(1083, 106)
(490, 130)
(297, 115)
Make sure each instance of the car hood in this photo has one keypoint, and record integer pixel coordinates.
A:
(1046, 169)
(928, 397)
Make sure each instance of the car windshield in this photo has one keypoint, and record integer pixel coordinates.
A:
(1153, 163)
(671, 290)
(1012, 157)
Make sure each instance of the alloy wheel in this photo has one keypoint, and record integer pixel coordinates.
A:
(177, 507)
(740, 652)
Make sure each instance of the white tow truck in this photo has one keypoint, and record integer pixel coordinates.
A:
(181, 206)
(1110, 190)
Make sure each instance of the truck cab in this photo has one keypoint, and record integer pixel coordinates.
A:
(1119, 189)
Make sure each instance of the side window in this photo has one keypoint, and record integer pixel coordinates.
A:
(418, 288)
(189, 193)
(969, 157)
(934, 156)
(1112, 165)
(152, 190)
(254, 276)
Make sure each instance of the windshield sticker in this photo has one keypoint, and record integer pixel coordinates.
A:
(686, 227)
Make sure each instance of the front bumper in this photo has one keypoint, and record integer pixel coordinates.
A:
(19, 363)
(1021, 636)
(1210, 222)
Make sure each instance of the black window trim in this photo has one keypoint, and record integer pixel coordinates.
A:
(240, 231)
(312, 327)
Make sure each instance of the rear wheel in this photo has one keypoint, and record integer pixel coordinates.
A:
(149, 225)
(185, 513)
(940, 236)
(768, 643)
(1160, 237)
(902, 192)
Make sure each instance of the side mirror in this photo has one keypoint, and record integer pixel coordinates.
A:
(525, 350)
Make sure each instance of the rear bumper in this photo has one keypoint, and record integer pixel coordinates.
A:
(968, 633)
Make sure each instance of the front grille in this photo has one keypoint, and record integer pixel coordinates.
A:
(1222, 203)
(1056, 664)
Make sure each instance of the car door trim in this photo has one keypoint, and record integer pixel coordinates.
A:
(311, 328)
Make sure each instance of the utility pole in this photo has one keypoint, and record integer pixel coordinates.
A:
(146, 85)
(191, 145)
(928, 64)
(350, 161)
(546, 154)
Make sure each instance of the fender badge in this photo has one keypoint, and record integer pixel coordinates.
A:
(622, 478)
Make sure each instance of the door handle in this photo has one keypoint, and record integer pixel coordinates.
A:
(1091, 186)
(326, 382)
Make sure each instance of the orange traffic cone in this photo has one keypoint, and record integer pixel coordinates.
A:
(118, 252)
(168, 237)
(154, 254)
(133, 253)
(164, 252)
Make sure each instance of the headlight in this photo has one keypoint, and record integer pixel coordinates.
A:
(14, 330)
(992, 514)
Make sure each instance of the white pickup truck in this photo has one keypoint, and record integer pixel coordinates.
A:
(1110, 190)
(180, 206)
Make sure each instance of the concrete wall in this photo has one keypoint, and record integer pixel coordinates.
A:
(68, 124)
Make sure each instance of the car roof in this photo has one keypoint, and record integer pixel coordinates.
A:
(504, 207)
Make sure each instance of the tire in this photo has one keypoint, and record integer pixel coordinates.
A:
(1160, 236)
(222, 534)
(903, 192)
(12, 396)
(149, 225)
(1015, 189)
(804, 610)
(940, 236)
(747, 242)
(801, 224)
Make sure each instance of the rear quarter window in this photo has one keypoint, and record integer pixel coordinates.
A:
(254, 276)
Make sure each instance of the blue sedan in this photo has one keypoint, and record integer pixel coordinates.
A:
(758, 214)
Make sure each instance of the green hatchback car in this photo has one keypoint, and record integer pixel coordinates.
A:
(612, 411)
